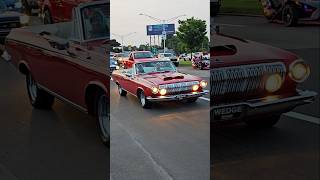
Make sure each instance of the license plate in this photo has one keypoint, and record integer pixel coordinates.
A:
(181, 97)
(228, 111)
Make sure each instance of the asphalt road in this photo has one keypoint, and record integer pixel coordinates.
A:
(169, 141)
(288, 151)
(61, 143)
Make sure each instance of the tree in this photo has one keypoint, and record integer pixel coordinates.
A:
(192, 34)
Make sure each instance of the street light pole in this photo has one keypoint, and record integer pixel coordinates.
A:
(163, 22)
(122, 38)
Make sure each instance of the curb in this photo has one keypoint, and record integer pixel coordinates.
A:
(239, 14)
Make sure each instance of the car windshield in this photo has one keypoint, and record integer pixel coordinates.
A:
(143, 55)
(155, 67)
(96, 21)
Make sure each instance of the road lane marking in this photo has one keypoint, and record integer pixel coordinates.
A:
(291, 114)
(155, 164)
(204, 98)
(303, 117)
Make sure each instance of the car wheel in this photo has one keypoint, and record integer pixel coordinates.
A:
(144, 101)
(47, 18)
(266, 122)
(177, 64)
(192, 100)
(102, 117)
(290, 15)
(121, 91)
(39, 98)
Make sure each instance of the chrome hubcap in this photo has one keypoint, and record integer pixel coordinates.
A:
(32, 86)
(142, 99)
(104, 118)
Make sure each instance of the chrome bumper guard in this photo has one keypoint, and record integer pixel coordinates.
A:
(257, 107)
(178, 97)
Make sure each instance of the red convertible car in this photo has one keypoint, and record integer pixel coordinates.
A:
(68, 61)
(253, 82)
(152, 81)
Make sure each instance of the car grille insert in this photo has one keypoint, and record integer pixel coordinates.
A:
(182, 87)
(243, 78)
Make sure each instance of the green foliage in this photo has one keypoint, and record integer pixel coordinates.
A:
(191, 35)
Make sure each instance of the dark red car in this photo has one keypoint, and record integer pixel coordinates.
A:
(253, 82)
(74, 71)
(137, 56)
(53, 11)
(154, 81)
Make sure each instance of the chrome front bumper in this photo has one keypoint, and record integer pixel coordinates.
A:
(258, 107)
(177, 97)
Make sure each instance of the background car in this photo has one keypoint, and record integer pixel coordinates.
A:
(10, 18)
(290, 12)
(113, 64)
(201, 62)
(169, 57)
(137, 56)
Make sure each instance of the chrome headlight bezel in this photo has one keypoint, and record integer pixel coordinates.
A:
(292, 70)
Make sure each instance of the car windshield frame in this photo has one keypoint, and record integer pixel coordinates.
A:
(172, 67)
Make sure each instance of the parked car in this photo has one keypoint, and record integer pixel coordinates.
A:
(113, 64)
(137, 56)
(201, 62)
(53, 11)
(290, 12)
(71, 67)
(9, 19)
(253, 82)
(184, 57)
(215, 7)
(169, 57)
(119, 57)
(153, 81)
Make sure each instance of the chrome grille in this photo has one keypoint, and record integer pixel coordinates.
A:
(242, 79)
(178, 87)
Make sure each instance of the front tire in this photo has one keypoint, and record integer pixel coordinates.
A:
(102, 117)
(39, 98)
(121, 91)
(144, 101)
(265, 122)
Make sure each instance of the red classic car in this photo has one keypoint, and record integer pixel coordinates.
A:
(253, 82)
(53, 11)
(153, 81)
(68, 61)
(137, 56)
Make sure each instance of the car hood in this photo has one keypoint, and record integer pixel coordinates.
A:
(228, 50)
(168, 78)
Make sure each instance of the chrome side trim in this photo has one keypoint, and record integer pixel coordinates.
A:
(63, 98)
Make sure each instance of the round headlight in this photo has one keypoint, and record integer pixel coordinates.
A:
(195, 87)
(155, 90)
(299, 71)
(163, 92)
(273, 83)
(203, 84)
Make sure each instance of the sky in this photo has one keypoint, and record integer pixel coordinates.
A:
(125, 18)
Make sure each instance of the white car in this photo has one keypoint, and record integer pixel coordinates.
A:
(170, 57)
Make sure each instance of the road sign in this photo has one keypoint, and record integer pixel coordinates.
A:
(158, 29)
